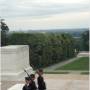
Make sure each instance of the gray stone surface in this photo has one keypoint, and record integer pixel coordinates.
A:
(59, 82)
(53, 84)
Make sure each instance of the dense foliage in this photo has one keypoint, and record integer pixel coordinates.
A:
(85, 41)
(4, 31)
(45, 48)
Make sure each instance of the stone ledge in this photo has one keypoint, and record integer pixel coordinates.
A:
(16, 76)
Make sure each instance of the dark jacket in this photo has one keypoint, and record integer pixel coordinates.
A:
(25, 87)
(33, 86)
(41, 83)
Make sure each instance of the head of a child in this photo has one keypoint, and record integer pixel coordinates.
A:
(32, 76)
(40, 72)
(27, 80)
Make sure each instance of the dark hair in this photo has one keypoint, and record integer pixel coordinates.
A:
(27, 78)
(32, 76)
(40, 70)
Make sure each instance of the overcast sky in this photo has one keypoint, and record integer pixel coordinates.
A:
(45, 14)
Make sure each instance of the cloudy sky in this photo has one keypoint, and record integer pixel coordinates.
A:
(45, 14)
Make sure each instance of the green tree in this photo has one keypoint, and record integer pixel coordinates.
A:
(45, 48)
(85, 41)
(4, 32)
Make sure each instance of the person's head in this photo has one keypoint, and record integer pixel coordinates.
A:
(27, 80)
(32, 76)
(40, 71)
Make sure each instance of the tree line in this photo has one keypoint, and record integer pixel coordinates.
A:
(45, 48)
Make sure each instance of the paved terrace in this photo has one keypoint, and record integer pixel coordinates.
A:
(55, 82)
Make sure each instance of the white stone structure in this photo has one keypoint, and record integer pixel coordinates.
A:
(83, 54)
(14, 59)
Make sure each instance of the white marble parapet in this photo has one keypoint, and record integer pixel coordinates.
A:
(14, 59)
(83, 54)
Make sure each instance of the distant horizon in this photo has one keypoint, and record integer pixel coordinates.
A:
(71, 29)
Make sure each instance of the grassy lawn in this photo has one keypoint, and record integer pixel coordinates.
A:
(56, 72)
(80, 64)
(85, 73)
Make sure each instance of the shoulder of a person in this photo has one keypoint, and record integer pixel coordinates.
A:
(33, 83)
(24, 87)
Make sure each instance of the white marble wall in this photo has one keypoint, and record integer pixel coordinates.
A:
(83, 54)
(14, 59)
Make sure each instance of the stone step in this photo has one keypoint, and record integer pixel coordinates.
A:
(53, 84)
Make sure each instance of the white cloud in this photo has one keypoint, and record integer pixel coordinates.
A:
(45, 13)
(18, 8)
(69, 20)
(51, 1)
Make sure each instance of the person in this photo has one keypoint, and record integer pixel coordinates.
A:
(28, 81)
(40, 80)
(33, 85)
